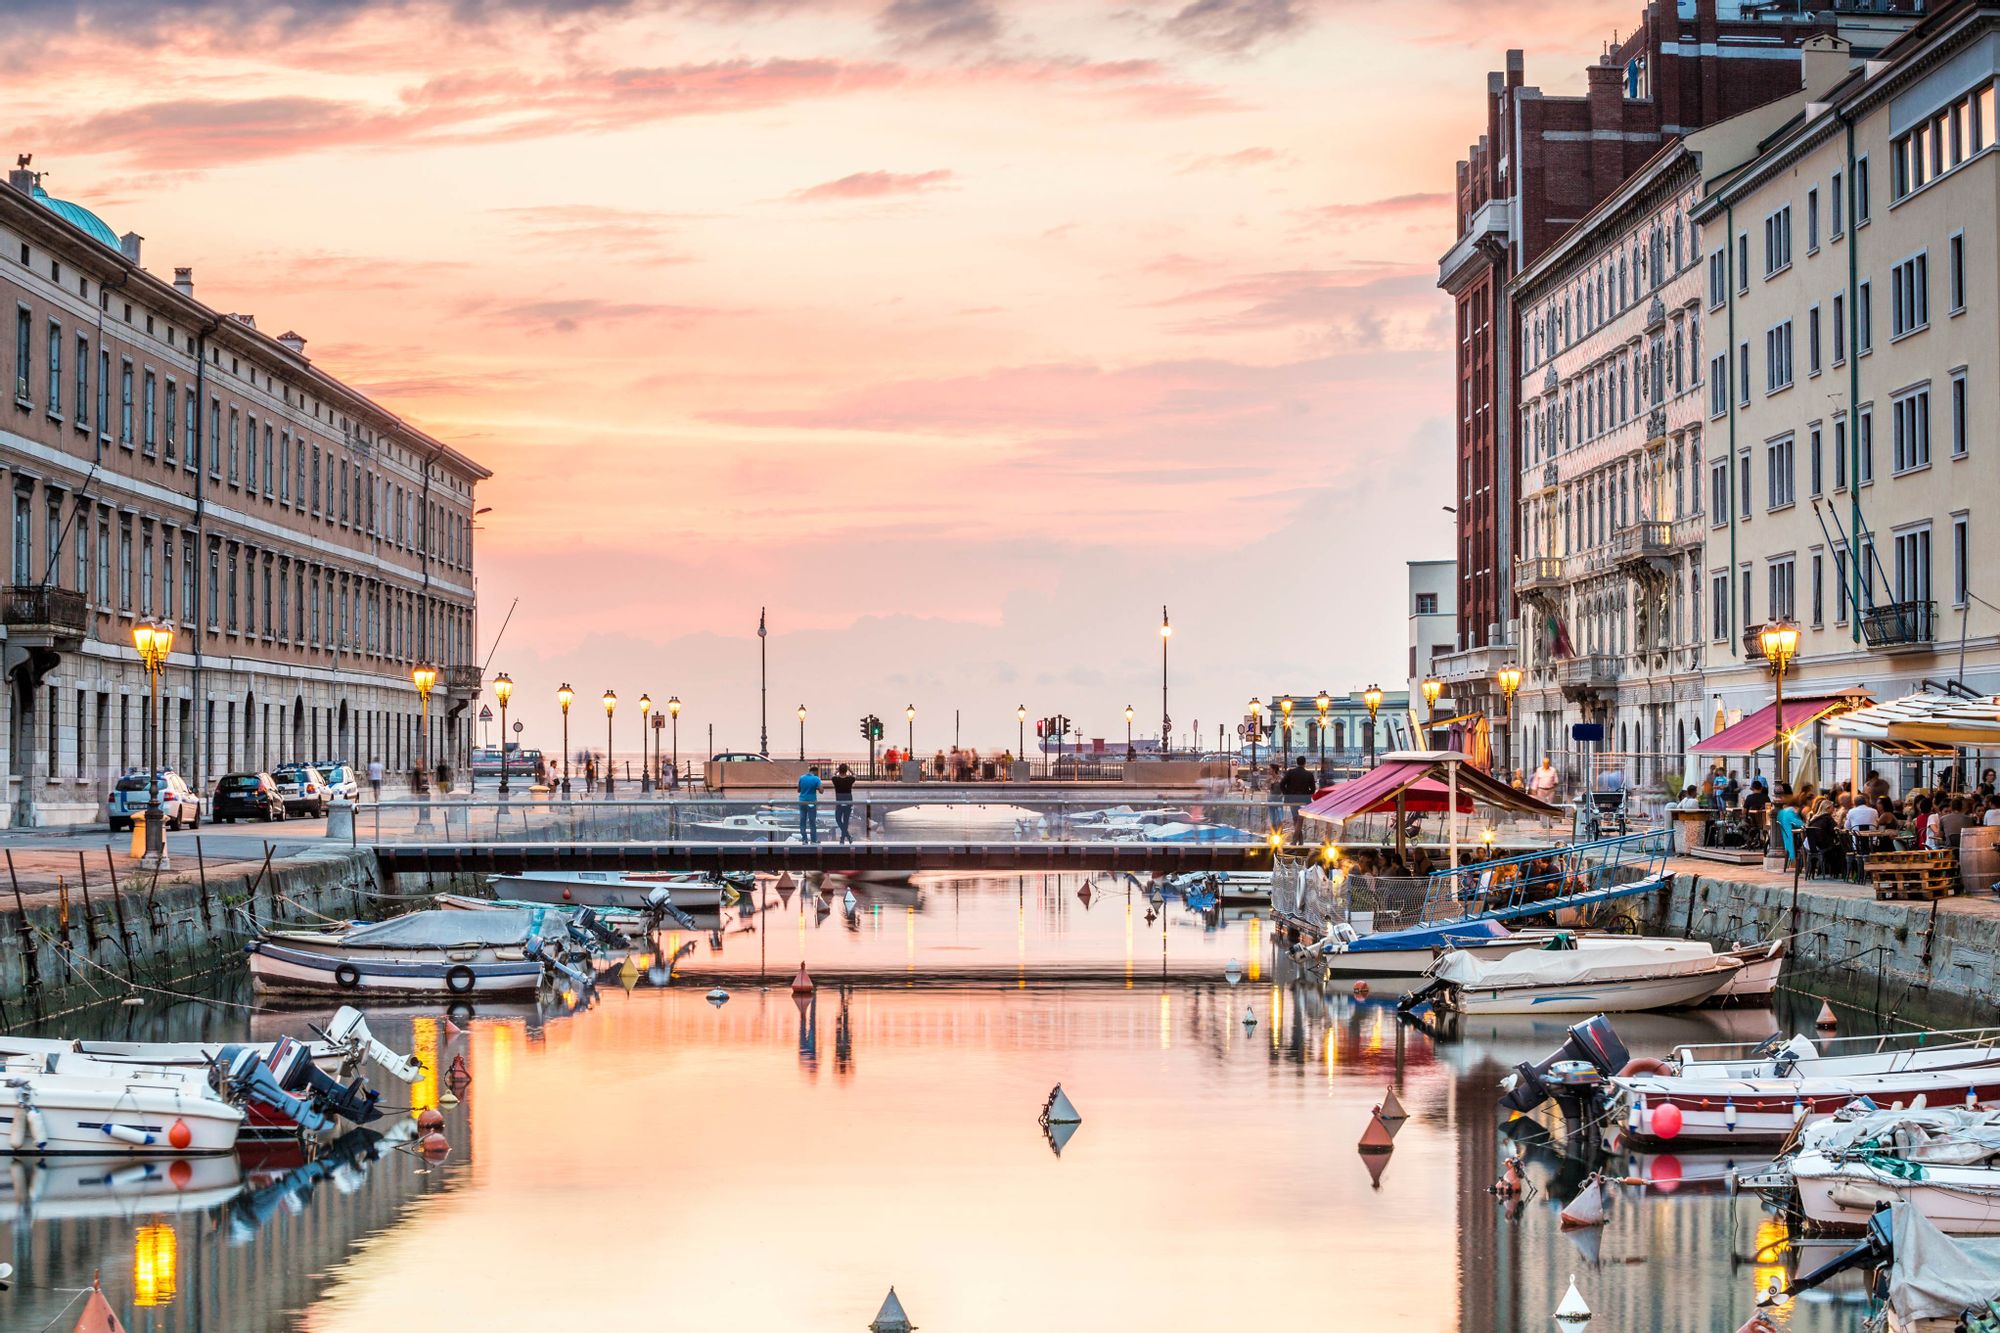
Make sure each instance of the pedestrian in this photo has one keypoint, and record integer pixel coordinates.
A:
(589, 773)
(1543, 785)
(1299, 785)
(843, 801)
(809, 785)
(375, 778)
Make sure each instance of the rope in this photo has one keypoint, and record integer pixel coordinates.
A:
(154, 990)
(78, 1294)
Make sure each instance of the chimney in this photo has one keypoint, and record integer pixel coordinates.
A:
(294, 343)
(184, 281)
(128, 245)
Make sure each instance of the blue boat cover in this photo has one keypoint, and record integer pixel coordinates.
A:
(1443, 935)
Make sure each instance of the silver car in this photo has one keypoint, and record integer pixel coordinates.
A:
(302, 788)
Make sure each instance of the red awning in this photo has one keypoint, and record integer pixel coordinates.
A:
(1425, 787)
(1759, 729)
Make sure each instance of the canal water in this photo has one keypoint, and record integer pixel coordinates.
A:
(779, 1162)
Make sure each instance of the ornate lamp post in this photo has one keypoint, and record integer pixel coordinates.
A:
(154, 642)
(1020, 733)
(1372, 696)
(1509, 680)
(1780, 640)
(1256, 731)
(674, 712)
(1166, 719)
(610, 707)
(1285, 707)
(1128, 728)
(564, 695)
(645, 760)
(503, 690)
(802, 733)
(910, 716)
(1322, 702)
(424, 677)
(1432, 688)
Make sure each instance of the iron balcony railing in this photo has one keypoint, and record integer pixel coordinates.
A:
(1753, 643)
(37, 604)
(1900, 625)
(461, 680)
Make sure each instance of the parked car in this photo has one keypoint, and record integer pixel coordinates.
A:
(342, 784)
(302, 788)
(132, 794)
(735, 757)
(246, 796)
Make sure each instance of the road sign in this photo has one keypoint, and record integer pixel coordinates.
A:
(486, 713)
(517, 728)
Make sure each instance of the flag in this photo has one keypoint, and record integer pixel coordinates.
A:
(1555, 639)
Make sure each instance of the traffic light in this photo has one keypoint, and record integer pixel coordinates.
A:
(875, 728)
(1041, 727)
(867, 728)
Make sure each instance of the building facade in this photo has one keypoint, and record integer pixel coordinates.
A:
(1850, 283)
(1433, 611)
(1544, 162)
(173, 463)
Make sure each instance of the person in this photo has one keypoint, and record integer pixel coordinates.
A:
(809, 785)
(1822, 837)
(589, 773)
(375, 778)
(1732, 791)
(1299, 784)
(1877, 788)
(1860, 815)
(843, 801)
(1991, 818)
(1922, 820)
(1756, 801)
(1274, 793)
(1986, 783)
(1519, 782)
(1950, 822)
(1543, 785)
(1790, 823)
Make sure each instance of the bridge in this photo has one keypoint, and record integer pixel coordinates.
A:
(512, 858)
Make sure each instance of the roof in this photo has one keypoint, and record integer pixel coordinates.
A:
(1924, 721)
(1423, 781)
(79, 217)
(1760, 728)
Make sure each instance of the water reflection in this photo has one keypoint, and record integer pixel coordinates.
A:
(639, 1132)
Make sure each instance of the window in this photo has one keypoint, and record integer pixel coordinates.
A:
(1958, 426)
(1812, 341)
(285, 468)
(146, 572)
(1743, 374)
(104, 560)
(1956, 247)
(125, 564)
(214, 585)
(1815, 476)
(125, 403)
(1835, 202)
(1913, 564)
(235, 445)
(1718, 386)
(1840, 453)
(1781, 585)
(151, 439)
(167, 574)
(1961, 557)
(215, 438)
(1839, 328)
(1743, 483)
(187, 580)
(192, 459)
(1909, 296)
(1743, 579)
(268, 459)
(1864, 320)
(1910, 417)
(1840, 586)
(1778, 241)
(315, 480)
(54, 403)
(1864, 442)
(1861, 213)
(1780, 482)
(104, 393)
(24, 570)
(82, 410)
(250, 457)
(172, 413)
(1742, 264)
(1812, 219)
(1818, 589)
(24, 352)
(231, 623)
(1718, 602)
(1718, 281)
(1778, 357)
(1981, 117)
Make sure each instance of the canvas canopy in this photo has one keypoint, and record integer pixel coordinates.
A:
(1580, 966)
(1423, 780)
(1924, 722)
(1760, 728)
(449, 930)
(1936, 1276)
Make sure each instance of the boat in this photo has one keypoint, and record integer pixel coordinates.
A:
(75, 1189)
(635, 890)
(763, 826)
(126, 1111)
(1943, 1161)
(339, 1049)
(975, 821)
(1933, 1283)
(1757, 980)
(1412, 952)
(1566, 976)
(455, 954)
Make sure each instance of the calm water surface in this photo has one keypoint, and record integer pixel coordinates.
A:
(776, 1164)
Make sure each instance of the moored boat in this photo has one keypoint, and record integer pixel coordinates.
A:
(1944, 1162)
(133, 1111)
(636, 891)
(454, 954)
(1568, 976)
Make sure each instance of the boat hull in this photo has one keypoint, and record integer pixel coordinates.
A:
(1842, 1196)
(115, 1121)
(628, 892)
(276, 966)
(1623, 996)
(1766, 1111)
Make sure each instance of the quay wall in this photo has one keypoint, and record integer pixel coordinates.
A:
(62, 951)
(1847, 944)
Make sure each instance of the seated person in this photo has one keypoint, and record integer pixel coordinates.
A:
(1860, 815)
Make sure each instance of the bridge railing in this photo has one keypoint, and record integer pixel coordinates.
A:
(1548, 879)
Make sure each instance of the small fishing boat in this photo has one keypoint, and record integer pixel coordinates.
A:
(456, 954)
(136, 1110)
(1757, 980)
(1566, 976)
(635, 891)
(1944, 1162)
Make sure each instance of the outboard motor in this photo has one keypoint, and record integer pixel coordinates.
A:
(252, 1081)
(1591, 1042)
(661, 901)
(593, 929)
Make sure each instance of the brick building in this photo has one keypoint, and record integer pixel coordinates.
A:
(1544, 162)
(165, 461)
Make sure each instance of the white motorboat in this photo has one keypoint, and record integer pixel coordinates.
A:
(1944, 1162)
(988, 822)
(127, 1111)
(763, 826)
(1745, 1093)
(456, 954)
(1757, 980)
(1564, 977)
(339, 1050)
(629, 890)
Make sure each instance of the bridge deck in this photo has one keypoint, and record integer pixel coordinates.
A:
(515, 857)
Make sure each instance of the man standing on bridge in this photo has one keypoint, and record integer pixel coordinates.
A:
(843, 801)
(809, 785)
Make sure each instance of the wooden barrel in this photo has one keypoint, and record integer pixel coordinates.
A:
(1979, 858)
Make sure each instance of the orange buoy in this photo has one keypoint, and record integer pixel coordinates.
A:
(180, 1135)
(433, 1144)
(566, 897)
(1376, 1138)
(802, 984)
(1826, 1022)
(430, 1118)
(1360, 990)
(180, 1173)
(98, 1316)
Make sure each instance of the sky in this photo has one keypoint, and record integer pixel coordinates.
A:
(962, 334)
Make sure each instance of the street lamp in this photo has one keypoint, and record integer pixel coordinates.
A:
(1128, 728)
(1372, 696)
(424, 677)
(910, 716)
(1166, 719)
(645, 762)
(503, 690)
(674, 712)
(610, 707)
(1020, 733)
(154, 642)
(1323, 701)
(1285, 707)
(802, 733)
(1509, 680)
(1256, 731)
(1780, 641)
(1432, 688)
(564, 694)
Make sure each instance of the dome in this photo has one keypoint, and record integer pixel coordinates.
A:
(79, 217)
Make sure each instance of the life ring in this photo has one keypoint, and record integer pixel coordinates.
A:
(460, 980)
(1643, 1064)
(347, 976)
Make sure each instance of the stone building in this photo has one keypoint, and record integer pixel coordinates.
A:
(170, 462)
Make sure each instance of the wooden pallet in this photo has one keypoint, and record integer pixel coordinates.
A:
(1920, 875)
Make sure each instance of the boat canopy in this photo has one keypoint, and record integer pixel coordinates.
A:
(445, 929)
(1926, 722)
(1620, 961)
(1935, 1276)
(1758, 730)
(1422, 780)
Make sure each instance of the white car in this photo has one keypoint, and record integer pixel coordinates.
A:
(179, 806)
(301, 788)
(341, 782)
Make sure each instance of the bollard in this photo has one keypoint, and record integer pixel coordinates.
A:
(139, 836)
(340, 821)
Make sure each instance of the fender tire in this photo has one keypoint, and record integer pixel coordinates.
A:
(347, 976)
(460, 980)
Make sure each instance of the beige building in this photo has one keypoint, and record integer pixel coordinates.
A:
(167, 461)
(1613, 431)
(1850, 325)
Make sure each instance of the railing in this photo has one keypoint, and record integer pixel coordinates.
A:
(1753, 643)
(36, 604)
(1589, 671)
(1531, 883)
(1544, 571)
(1900, 625)
(461, 680)
(1644, 541)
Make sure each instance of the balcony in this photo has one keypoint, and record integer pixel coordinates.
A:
(1538, 574)
(42, 623)
(1645, 550)
(1587, 677)
(1900, 625)
(1753, 643)
(460, 682)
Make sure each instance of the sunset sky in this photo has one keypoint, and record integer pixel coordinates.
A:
(960, 333)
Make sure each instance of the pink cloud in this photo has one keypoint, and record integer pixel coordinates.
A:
(1399, 205)
(873, 185)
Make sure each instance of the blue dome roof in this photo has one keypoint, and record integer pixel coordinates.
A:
(79, 217)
